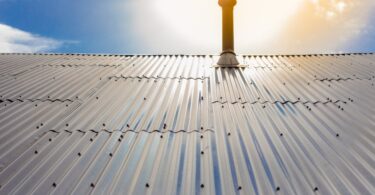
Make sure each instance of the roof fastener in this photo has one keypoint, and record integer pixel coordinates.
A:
(201, 136)
(315, 189)
(202, 185)
(281, 134)
(66, 124)
(79, 154)
(54, 184)
(36, 152)
(103, 124)
(337, 135)
(91, 139)
(144, 98)
(161, 136)
(50, 139)
(110, 154)
(92, 185)
(277, 188)
(147, 185)
(119, 140)
(122, 136)
(202, 152)
(239, 188)
(127, 125)
(164, 126)
(228, 133)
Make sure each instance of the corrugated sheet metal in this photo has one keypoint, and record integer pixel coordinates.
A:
(172, 124)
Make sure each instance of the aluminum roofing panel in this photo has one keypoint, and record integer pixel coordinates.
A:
(172, 124)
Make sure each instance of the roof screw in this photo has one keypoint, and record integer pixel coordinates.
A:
(119, 140)
(37, 127)
(67, 124)
(201, 128)
(202, 185)
(202, 152)
(228, 133)
(97, 98)
(103, 124)
(277, 188)
(337, 135)
(79, 154)
(201, 136)
(239, 188)
(144, 98)
(147, 185)
(66, 105)
(127, 125)
(36, 105)
(50, 139)
(41, 124)
(36, 152)
(283, 83)
(54, 184)
(164, 126)
(243, 106)
(110, 154)
(263, 106)
(122, 136)
(161, 136)
(92, 185)
(202, 98)
(222, 106)
(281, 134)
(315, 189)
(91, 140)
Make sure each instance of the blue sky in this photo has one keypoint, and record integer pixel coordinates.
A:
(184, 26)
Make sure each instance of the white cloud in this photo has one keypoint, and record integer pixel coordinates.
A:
(16, 40)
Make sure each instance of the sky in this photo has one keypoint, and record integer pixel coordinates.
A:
(186, 26)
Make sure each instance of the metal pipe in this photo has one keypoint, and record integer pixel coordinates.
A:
(227, 24)
(227, 56)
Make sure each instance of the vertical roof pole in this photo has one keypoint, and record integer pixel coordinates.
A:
(227, 56)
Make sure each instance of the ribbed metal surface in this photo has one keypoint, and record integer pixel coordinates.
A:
(172, 124)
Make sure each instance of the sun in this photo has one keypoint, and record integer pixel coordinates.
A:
(199, 21)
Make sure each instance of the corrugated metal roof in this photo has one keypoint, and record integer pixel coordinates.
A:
(172, 124)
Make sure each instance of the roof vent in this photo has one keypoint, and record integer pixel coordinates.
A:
(227, 56)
